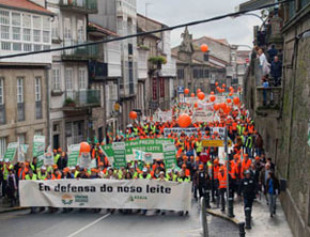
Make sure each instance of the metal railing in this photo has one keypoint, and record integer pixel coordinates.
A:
(91, 52)
(268, 98)
(89, 6)
(82, 98)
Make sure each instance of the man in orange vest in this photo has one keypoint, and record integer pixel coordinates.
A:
(245, 165)
(222, 177)
(215, 172)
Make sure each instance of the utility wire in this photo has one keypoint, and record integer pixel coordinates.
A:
(145, 33)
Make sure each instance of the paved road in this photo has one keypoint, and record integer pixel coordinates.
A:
(88, 224)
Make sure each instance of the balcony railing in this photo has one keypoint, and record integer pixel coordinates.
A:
(81, 99)
(268, 98)
(91, 52)
(80, 6)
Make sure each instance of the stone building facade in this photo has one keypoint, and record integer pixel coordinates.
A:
(284, 120)
(23, 80)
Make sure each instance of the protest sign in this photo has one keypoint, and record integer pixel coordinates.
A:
(169, 156)
(48, 159)
(73, 155)
(119, 154)
(85, 160)
(21, 152)
(11, 151)
(203, 116)
(103, 193)
(38, 146)
(188, 131)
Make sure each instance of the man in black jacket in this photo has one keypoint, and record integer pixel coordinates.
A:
(62, 161)
(248, 189)
(204, 185)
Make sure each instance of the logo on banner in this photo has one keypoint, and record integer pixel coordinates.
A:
(137, 198)
(67, 199)
(82, 199)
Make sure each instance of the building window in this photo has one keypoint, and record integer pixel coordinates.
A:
(36, 35)
(38, 132)
(56, 79)
(16, 19)
(162, 87)
(46, 47)
(20, 99)
(1, 91)
(21, 138)
(20, 90)
(82, 79)
(27, 34)
(206, 73)
(206, 57)
(2, 146)
(38, 88)
(130, 49)
(4, 17)
(5, 32)
(55, 28)
(27, 47)
(46, 36)
(154, 88)
(26, 21)
(67, 29)
(68, 79)
(16, 33)
(2, 107)
(81, 32)
(181, 73)
(37, 47)
(5, 45)
(46, 23)
(17, 46)
(36, 22)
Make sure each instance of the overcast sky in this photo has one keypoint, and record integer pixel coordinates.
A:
(174, 12)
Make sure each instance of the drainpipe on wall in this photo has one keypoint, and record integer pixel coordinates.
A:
(47, 68)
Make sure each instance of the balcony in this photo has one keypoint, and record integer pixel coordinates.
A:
(83, 99)
(85, 53)
(268, 99)
(79, 6)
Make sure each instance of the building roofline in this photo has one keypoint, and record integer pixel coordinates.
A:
(157, 22)
(43, 12)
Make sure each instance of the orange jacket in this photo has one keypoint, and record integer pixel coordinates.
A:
(222, 180)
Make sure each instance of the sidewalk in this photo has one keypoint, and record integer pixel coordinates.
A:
(262, 223)
(5, 207)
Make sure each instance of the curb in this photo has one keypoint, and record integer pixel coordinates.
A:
(13, 209)
(223, 216)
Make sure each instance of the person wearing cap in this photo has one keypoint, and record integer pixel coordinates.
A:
(182, 177)
(30, 175)
(170, 176)
(161, 176)
(222, 180)
(145, 174)
(215, 182)
(245, 165)
(42, 173)
(67, 174)
(248, 188)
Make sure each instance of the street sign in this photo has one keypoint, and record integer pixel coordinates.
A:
(215, 143)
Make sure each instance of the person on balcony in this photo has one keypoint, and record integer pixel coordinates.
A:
(276, 71)
(265, 66)
(265, 86)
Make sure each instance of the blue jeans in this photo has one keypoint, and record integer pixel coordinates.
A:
(264, 97)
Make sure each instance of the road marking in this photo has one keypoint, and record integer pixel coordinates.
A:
(89, 225)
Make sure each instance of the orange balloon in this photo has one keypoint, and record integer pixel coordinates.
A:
(236, 100)
(216, 83)
(212, 98)
(230, 94)
(193, 95)
(223, 106)
(196, 105)
(228, 100)
(212, 93)
(198, 90)
(84, 147)
(222, 90)
(204, 48)
(231, 88)
(186, 91)
(133, 115)
(184, 120)
(227, 110)
(223, 85)
(218, 89)
(201, 95)
(216, 107)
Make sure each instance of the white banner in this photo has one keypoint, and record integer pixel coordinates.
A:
(106, 193)
(203, 116)
(188, 131)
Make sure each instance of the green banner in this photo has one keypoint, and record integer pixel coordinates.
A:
(74, 151)
(38, 146)
(147, 145)
(169, 156)
(119, 155)
(11, 151)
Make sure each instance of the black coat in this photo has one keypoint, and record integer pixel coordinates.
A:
(248, 188)
(62, 162)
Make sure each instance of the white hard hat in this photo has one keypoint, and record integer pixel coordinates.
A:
(43, 168)
(144, 170)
